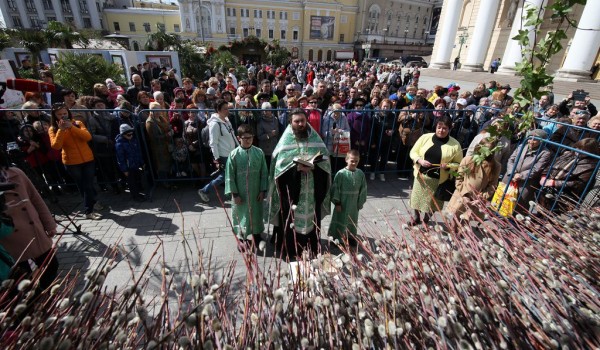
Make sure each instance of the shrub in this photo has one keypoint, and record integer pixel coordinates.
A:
(80, 72)
(530, 284)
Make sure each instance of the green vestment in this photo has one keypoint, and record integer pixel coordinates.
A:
(282, 160)
(246, 176)
(350, 190)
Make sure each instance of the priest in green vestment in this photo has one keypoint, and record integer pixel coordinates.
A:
(299, 190)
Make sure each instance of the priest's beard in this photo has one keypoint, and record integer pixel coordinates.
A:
(301, 133)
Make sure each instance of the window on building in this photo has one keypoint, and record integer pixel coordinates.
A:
(341, 38)
(417, 19)
(147, 27)
(12, 4)
(83, 6)
(98, 8)
(117, 26)
(231, 12)
(271, 33)
(132, 26)
(257, 13)
(232, 30)
(245, 32)
(48, 5)
(244, 13)
(30, 5)
(51, 19)
(176, 28)
(270, 14)
(87, 22)
(35, 22)
(17, 22)
(162, 27)
(69, 20)
(258, 32)
(66, 6)
(283, 15)
(295, 35)
(283, 34)
(296, 16)
(424, 20)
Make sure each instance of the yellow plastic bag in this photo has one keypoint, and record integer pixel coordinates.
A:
(509, 203)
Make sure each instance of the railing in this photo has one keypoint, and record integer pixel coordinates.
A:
(384, 139)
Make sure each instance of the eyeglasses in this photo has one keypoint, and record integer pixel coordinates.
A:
(582, 112)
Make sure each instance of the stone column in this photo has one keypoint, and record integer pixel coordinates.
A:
(23, 14)
(446, 35)
(584, 46)
(513, 52)
(39, 7)
(58, 11)
(482, 34)
(94, 15)
(76, 12)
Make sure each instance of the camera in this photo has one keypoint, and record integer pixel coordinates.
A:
(579, 95)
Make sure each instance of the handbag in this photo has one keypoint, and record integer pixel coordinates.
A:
(341, 144)
(509, 203)
(445, 190)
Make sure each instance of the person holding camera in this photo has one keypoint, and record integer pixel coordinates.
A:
(577, 99)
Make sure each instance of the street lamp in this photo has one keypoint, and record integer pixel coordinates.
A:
(405, 35)
(462, 39)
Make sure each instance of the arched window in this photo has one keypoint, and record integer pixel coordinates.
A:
(320, 55)
(136, 46)
(328, 55)
(310, 55)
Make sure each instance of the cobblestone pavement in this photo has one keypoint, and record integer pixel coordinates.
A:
(140, 230)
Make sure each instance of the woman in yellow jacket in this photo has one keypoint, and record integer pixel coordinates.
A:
(434, 155)
(72, 137)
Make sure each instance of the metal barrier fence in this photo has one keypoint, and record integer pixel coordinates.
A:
(176, 153)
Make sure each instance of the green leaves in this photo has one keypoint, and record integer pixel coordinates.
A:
(81, 71)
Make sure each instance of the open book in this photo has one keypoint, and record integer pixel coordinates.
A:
(310, 162)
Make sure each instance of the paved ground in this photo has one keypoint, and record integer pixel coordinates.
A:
(173, 217)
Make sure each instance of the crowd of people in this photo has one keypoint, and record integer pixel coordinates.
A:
(374, 118)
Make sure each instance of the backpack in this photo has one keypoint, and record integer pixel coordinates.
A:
(205, 135)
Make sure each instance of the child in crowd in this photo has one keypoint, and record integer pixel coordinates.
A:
(246, 181)
(180, 156)
(130, 161)
(348, 194)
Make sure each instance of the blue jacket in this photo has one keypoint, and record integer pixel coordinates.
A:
(129, 153)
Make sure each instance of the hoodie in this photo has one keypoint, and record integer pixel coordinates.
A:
(222, 139)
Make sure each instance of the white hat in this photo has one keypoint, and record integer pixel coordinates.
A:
(461, 101)
(266, 105)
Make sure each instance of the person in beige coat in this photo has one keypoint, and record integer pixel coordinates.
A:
(474, 179)
(30, 244)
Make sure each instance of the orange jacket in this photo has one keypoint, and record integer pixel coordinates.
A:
(73, 142)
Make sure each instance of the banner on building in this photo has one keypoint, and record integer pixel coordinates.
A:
(322, 27)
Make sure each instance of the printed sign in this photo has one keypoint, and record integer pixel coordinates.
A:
(12, 98)
(322, 27)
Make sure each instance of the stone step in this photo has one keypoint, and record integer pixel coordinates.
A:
(560, 87)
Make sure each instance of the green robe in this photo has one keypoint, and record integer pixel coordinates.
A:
(283, 160)
(246, 176)
(350, 190)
